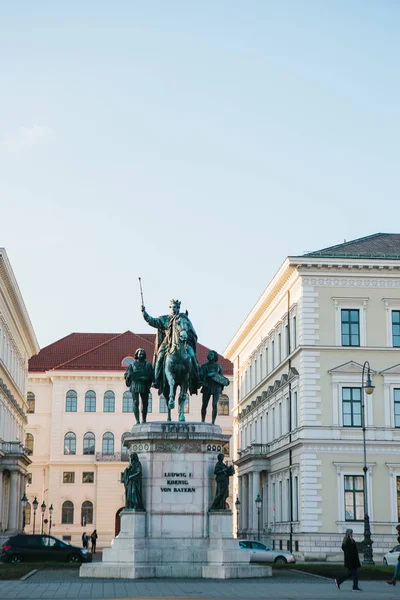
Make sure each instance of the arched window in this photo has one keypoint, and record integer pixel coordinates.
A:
(86, 513)
(71, 401)
(29, 442)
(127, 361)
(127, 402)
(28, 514)
(223, 405)
(70, 443)
(109, 402)
(90, 401)
(124, 449)
(108, 443)
(67, 513)
(31, 403)
(89, 441)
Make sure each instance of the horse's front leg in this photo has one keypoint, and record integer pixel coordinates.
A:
(171, 383)
(182, 400)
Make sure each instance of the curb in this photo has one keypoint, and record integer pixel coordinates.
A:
(28, 574)
(313, 575)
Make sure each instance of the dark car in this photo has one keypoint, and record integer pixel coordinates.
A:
(41, 548)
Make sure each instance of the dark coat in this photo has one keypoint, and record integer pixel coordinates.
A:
(351, 560)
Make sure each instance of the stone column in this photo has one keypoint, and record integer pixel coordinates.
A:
(244, 520)
(14, 501)
(250, 524)
(240, 496)
(1, 500)
(256, 490)
(21, 509)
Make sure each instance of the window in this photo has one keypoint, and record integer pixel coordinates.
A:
(108, 443)
(109, 402)
(266, 361)
(295, 411)
(66, 538)
(396, 328)
(150, 404)
(279, 348)
(255, 372)
(68, 477)
(266, 427)
(29, 442)
(31, 403)
(273, 355)
(350, 327)
(280, 499)
(28, 511)
(67, 513)
(128, 361)
(287, 339)
(88, 477)
(273, 423)
(296, 499)
(70, 443)
(261, 367)
(163, 404)
(127, 402)
(86, 513)
(90, 401)
(354, 497)
(294, 341)
(351, 403)
(223, 405)
(29, 478)
(71, 401)
(398, 498)
(89, 442)
(280, 419)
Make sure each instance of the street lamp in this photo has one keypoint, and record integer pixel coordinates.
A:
(43, 509)
(237, 504)
(51, 514)
(35, 504)
(24, 501)
(367, 542)
(258, 502)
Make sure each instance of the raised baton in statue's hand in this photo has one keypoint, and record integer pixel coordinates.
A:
(141, 291)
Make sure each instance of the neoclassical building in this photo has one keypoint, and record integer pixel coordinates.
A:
(17, 344)
(80, 409)
(298, 360)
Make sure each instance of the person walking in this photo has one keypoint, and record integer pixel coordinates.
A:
(93, 538)
(85, 540)
(397, 568)
(351, 560)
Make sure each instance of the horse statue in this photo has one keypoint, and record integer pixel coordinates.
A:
(175, 356)
(177, 367)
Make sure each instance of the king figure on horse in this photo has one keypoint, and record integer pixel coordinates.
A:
(175, 360)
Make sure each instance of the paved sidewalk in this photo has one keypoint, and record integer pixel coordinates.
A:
(282, 586)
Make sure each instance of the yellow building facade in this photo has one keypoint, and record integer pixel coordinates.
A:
(17, 344)
(299, 398)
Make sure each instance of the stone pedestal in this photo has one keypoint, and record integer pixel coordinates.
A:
(176, 536)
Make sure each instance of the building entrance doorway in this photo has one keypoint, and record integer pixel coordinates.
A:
(118, 521)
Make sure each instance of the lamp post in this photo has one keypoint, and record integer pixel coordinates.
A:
(43, 509)
(51, 514)
(24, 501)
(258, 502)
(35, 504)
(237, 504)
(367, 541)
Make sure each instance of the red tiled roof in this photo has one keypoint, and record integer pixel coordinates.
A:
(102, 352)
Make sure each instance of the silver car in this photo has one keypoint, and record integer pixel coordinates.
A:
(391, 557)
(261, 553)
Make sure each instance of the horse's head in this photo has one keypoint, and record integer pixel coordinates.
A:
(183, 336)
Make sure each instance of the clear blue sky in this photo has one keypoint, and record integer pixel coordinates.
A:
(194, 144)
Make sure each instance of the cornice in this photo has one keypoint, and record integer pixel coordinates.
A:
(265, 301)
(11, 285)
(353, 280)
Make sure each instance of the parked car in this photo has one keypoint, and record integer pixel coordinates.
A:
(21, 548)
(261, 553)
(391, 557)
